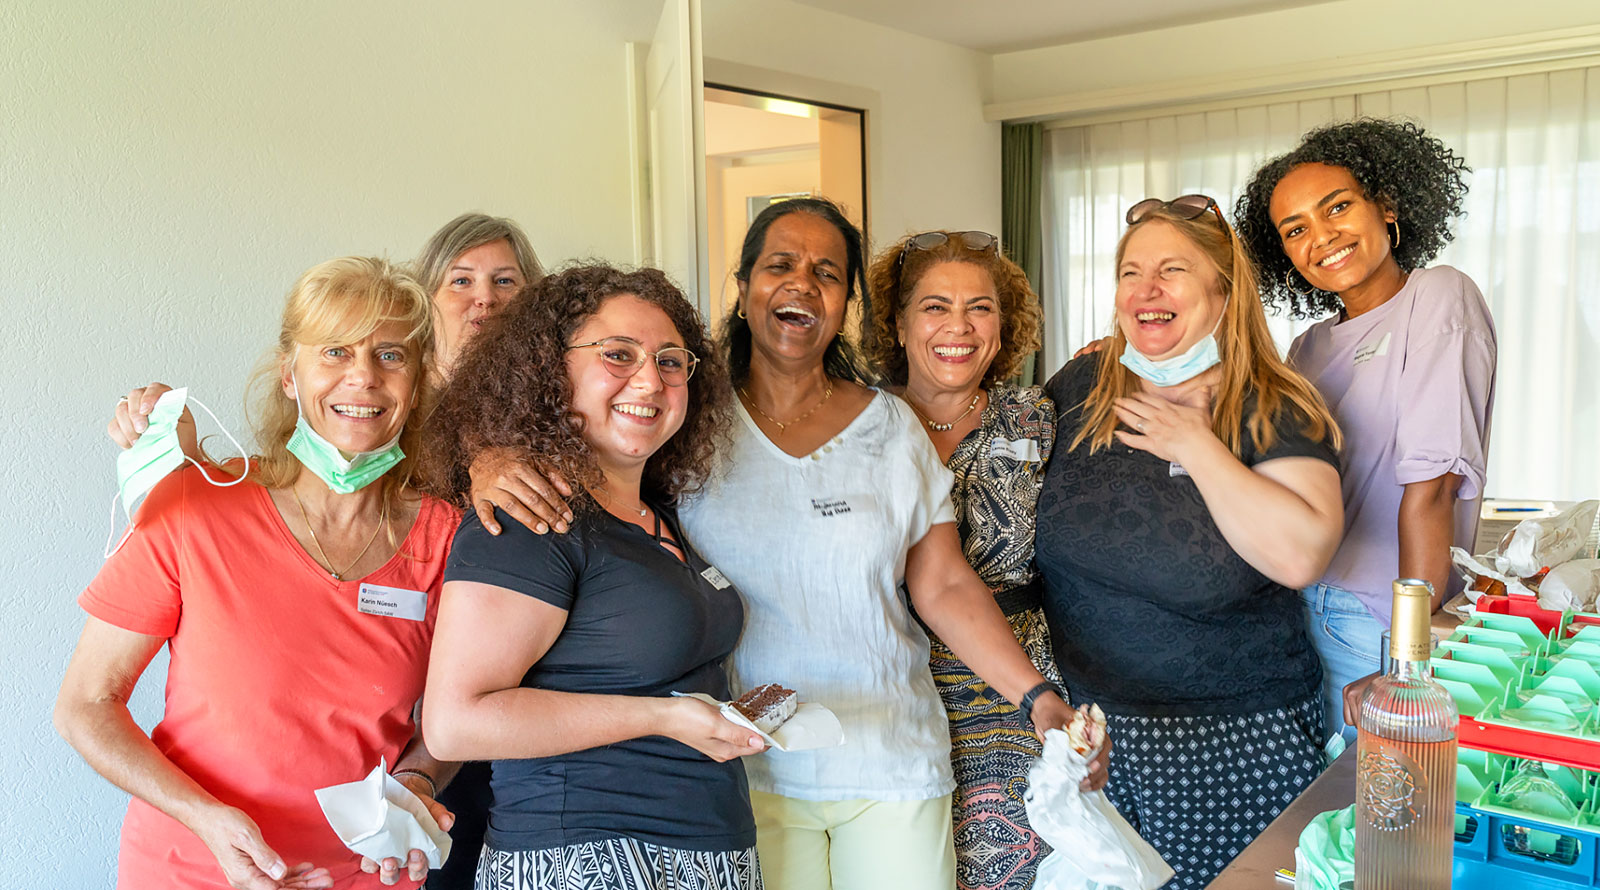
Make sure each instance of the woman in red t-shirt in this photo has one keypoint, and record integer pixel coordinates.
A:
(297, 607)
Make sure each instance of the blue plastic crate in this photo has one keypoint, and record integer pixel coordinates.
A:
(1499, 852)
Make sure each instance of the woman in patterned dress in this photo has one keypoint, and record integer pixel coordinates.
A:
(952, 318)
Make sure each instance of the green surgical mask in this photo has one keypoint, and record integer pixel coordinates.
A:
(341, 474)
(155, 454)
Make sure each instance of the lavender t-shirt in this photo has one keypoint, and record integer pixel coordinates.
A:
(1412, 385)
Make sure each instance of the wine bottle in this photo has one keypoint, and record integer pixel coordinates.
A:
(1406, 760)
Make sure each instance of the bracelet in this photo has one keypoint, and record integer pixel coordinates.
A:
(1032, 695)
(433, 787)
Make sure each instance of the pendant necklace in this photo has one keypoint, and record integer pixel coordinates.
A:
(947, 427)
(826, 392)
(337, 574)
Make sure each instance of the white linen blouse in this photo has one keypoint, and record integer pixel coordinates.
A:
(817, 545)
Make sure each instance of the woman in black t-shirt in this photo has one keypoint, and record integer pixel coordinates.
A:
(1193, 490)
(556, 655)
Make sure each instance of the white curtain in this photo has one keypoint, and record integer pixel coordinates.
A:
(1530, 237)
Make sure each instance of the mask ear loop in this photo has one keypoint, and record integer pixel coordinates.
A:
(242, 476)
(108, 550)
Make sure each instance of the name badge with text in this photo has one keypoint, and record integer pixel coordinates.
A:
(1025, 450)
(715, 576)
(843, 505)
(1369, 351)
(392, 602)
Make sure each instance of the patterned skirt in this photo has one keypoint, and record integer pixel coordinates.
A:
(1199, 789)
(991, 752)
(618, 864)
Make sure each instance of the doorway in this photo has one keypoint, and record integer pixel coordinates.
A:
(762, 149)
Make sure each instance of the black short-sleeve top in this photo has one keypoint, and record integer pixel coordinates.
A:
(640, 622)
(1151, 612)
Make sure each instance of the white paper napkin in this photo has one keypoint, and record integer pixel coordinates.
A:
(380, 818)
(812, 726)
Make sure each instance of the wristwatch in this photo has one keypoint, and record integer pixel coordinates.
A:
(1032, 695)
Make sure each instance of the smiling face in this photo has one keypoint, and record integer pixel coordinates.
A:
(797, 293)
(951, 328)
(356, 395)
(476, 285)
(1169, 293)
(625, 419)
(1336, 236)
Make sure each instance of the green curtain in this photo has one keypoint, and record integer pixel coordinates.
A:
(1021, 208)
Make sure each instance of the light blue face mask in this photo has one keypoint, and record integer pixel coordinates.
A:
(342, 475)
(1194, 361)
(155, 454)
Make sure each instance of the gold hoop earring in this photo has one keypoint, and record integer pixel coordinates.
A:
(1396, 224)
(1289, 283)
(740, 312)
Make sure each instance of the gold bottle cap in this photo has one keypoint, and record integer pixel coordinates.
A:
(1410, 623)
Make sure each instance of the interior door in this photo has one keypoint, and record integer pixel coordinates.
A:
(669, 145)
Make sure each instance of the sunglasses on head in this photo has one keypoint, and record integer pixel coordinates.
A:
(977, 242)
(1186, 207)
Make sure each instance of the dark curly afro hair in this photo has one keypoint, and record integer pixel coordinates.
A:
(510, 389)
(1396, 163)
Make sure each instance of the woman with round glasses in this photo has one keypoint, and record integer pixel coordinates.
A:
(1345, 225)
(951, 321)
(1193, 488)
(557, 656)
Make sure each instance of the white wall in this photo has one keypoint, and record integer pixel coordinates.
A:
(932, 160)
(1304, 44)
(166, 170)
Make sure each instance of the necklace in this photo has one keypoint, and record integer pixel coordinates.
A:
(642, 511)
(947, 427)
(337, 574)
(826, 392)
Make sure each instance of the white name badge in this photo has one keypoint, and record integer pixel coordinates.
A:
(1369, 351)
(392, 602)
(843, 505)
(1175, 469)
(715, 576)
(1025, 450)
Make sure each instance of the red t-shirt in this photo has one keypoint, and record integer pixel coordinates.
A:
(278, 684)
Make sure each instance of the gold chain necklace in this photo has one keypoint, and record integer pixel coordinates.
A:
(947, 427)
(339, 575)
(826, 392)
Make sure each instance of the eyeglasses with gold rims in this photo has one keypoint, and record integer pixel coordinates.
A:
(624, 356)
(1185, 207)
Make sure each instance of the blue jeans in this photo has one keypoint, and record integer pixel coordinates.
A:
(1350, 643)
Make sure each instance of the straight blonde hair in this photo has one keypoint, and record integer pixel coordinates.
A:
(343, 301)
(1250, 363)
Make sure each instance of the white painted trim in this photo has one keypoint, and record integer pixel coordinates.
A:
(1449, 63)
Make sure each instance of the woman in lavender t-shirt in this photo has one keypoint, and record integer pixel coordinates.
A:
(1345, 224)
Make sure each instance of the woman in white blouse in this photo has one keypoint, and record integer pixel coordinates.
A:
(829, 503)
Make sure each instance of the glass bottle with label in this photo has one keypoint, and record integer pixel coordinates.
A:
(1406, 760)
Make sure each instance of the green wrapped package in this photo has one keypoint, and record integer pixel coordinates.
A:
(1326, 857)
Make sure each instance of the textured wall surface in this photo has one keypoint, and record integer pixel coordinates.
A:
(166, 171)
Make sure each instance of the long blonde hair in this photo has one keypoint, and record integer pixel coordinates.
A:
(342, 301)
(1250, 362)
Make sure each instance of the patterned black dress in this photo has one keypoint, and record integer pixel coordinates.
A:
(999, 468)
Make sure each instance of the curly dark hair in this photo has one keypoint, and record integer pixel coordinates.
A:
(1396, 163)
(893, 281)
(841, 359)
(510, 388)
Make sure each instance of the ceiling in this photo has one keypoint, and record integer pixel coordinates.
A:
(998, 26)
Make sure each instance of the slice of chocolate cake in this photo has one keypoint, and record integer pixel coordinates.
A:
(767, 706)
